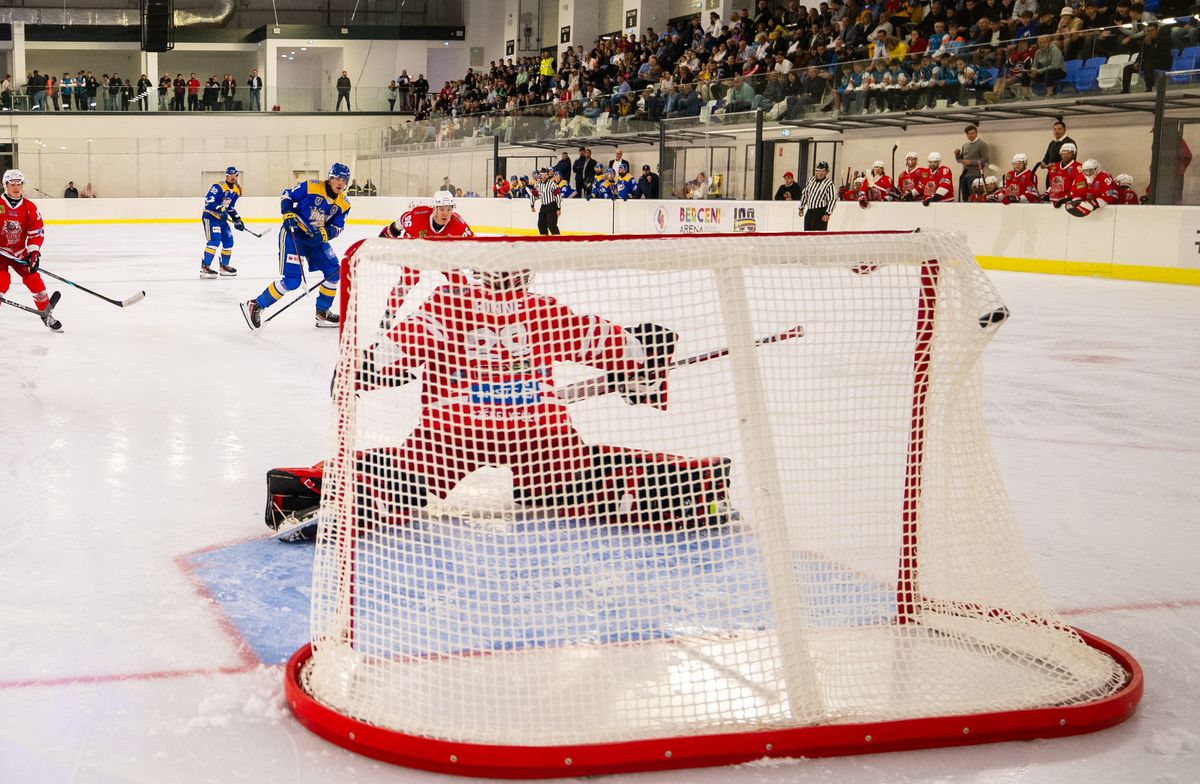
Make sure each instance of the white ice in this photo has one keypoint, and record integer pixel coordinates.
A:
(141, 435)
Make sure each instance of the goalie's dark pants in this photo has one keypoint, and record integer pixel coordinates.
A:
(812, 219)
(548, 219)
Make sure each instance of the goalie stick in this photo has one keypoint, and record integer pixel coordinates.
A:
(599, 385)
(39, 313)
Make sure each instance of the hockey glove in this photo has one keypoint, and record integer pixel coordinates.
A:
(33, 261)
(323, 234)
(238, 223)
(647, 385)
(928, 200)
(294, 227)
(862, 202)
(1059, 202)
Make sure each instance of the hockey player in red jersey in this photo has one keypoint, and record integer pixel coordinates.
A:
(1062, 175)
(876, 186)
(978, 194)
(1091, 190)
(1125, 192)
(422, 222)
(21, 236)
(1020, 184)
(937, 181)
(910, 183)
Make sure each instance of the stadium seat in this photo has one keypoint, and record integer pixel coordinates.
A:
(1085, 80)
(1152, 6)
(602, 123)
(1095, 62)
(1182, 63)
(1110, 75)
(1072, 68)
(1120, 59)
(1192, 52)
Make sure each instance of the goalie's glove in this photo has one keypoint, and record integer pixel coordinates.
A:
(647, 385)
(1080, 208)
(238, 223)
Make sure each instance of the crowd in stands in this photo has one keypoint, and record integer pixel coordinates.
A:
(789, 59)
(85, 92)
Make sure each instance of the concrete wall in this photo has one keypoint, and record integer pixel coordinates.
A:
(1134, 243)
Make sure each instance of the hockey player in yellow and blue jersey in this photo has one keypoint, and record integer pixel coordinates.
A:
(627, 187)
(314, 212)
(219, 209)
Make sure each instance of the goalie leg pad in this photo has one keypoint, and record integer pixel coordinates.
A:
(383, 491)
(292, 493)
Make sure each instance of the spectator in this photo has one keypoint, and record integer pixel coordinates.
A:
(973, 156)
(699, 187)
(127, 94)
(353, 188)
(52, 93)
(113, 100)
(447, 185)
(649, 184)
(1155, 58)
(6, 92)
(144, 86)
(343, 91)
(420, 89)
(392, 94)
(164, 92)
(618, 159)
(88, 192)
(66, 89)
(369, 188)
(403, 86)
(1048, 65)
(228, 92)
(255, 85)
(180, 89)
(500, 187)
(211, 91)
(71, 192)
(789, 190)
(193, 94)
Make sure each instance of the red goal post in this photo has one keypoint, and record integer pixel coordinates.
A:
(806, 552)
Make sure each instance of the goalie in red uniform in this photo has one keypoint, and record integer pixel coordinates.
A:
(937, 181)
(487, 352)
(21, 235)
(1091, 190)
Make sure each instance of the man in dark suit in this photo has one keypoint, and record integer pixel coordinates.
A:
(648, 184)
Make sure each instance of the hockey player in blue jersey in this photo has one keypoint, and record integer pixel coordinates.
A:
(606, 186)
(314, 212)
(219, 209)
(627, 187)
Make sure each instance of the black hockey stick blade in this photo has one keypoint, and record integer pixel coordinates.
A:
(304, 294)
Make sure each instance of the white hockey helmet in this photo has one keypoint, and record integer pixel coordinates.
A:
(1125, 180)
(877, 165)
(1091, 166)
(443, 199)
(935, 157)
(13, 175)
(977, 184)
(1020, 158)
(911, 155)
(1068, 147)
(991, 180)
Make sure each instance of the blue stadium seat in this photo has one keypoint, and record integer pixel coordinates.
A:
(1072, 67)
(1182, 63)
(1095, 62)
(1192, 52)
(1085, 80)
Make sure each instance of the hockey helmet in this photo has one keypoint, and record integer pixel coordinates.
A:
(339, 171)
(443, 199)
(911, 155)
(1068, 147)
(822, 166)
(1020, 158)
(610, 170)
(935, 157)
(229, 170)
(977, 184)
(13, 175)
(1091, 166)
(877, 165)
(991, 180)
(1125, 180)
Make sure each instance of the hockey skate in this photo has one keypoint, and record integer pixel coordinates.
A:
(228, 271)
(252, 312)
(53, 324)
(207, 272)
(327, 319)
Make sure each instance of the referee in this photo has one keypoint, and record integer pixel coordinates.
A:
(818, 199)
(550, 194)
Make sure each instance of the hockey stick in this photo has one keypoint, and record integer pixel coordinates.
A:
(599, 385)
(253, 233)
(132, 299)
(895, 147)
(39, 313)
(303, 294)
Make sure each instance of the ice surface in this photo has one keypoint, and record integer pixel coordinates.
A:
(141, 435)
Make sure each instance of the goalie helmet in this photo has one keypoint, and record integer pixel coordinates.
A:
(935, 157)
(14, 175)
(506, 280)
(1125, 180)
(1091, 167)
(443, 199)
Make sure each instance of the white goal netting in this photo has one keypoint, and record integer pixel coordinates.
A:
(608, 490)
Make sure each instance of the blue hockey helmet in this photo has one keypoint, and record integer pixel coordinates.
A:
(230, 170)
(610, 170)
(339, 171)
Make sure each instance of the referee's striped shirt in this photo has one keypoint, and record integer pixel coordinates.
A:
(549, 192)
(819, 194)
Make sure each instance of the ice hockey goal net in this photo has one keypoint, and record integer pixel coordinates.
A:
(536, 559)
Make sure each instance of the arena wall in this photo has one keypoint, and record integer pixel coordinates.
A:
(1132, 243)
